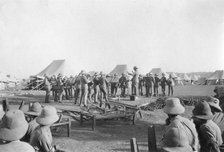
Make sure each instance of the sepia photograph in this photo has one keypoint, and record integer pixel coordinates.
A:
(111, 75)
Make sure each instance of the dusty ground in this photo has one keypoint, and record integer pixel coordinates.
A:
(110, 135)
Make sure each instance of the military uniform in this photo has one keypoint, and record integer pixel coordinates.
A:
(114, 85)
(135, 81)
(96, 88)
(170, 84)
(84, 90)
(149, 81)
(123, 85)
(163, 84)
(77, 88)
(156, 85)
(47, 89)
(103, 88)
(140, 85)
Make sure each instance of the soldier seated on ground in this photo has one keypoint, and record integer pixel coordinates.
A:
(177, 123)
(34, 110)
(41, 137)
(209, 133)
(12, 128)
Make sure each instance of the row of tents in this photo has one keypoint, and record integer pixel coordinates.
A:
(209, 78)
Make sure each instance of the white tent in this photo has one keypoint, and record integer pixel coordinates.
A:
(119, 69)
(159, 72)
(216, 78)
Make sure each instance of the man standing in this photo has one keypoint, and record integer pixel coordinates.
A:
(163, 84)
(134, 87)
(149, 81)
(140, 85)
(95, 87)
(156, 85)
(170, 84)
(84, 89)
(77, 87)
(103, 88)
(123, 84)
(114, 85)
(47, 88)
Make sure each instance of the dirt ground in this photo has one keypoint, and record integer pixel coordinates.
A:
(110, 135)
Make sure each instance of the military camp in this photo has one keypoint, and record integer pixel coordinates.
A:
(111, 76)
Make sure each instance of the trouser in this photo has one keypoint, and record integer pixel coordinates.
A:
(123, 88)
(134, 89)
(163, 87)
(140, 88)
(47, 96)
(114, 89)
(156, 92)
(58, 95)
(170, 90)
(66, 93)
(104, 96)
(96, 91)
(77, 94)
(148, 91)
(83, 98)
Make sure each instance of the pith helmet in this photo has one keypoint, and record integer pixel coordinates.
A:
(173, 106)
(48, 116)
(202, 111)
(13, 126)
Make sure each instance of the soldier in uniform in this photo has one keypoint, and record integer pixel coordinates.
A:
(170, 84)
(53, 82)
(84, 89)
(59, 89)
(140, 85)
(123, 84)
(149, 81)
(103, 88)
(156, 85)
(12, 128)
(96, 87)
(41, 138)
(114, 85)
(134, 87)
(47, 88)
(77, 84)
(163, 84)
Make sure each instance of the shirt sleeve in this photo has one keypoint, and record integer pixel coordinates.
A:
(45, 145)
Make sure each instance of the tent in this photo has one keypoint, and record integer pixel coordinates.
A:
(159, 72)
(174, 75)
(216, 78)
(56, 67)
(178, 81)
(119, 69)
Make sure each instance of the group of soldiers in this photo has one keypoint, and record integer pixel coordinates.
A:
(99, 87)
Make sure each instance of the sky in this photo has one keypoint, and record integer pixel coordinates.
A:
(96, 35)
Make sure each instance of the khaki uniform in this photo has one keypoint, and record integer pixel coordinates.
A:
(188, 127)
(32, 126)
(209, 133)
(41, 139)
(84, 90)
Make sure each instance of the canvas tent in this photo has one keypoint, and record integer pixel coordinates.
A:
(54, 68)
(216, 78)
(159, 72)
(119, 69)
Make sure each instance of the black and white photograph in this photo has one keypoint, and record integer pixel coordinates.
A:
(111, 75)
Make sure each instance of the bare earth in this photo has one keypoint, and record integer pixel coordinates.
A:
(110, 135)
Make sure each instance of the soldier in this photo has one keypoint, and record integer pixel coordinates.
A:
(103, 88)
(12, 128)
(47, 88)
(70, 86)
(59, 89)
(41, 137)
(156, 85)
(114, 85)
(53, 82)
(209, 133)
(140, 84)
(123, 84)
(77, 88)
(66, 87)
(174, 109)
(84, 89)
(96, 87)
(170, 84)
(134, 87)
(149, 81)
(163, 84)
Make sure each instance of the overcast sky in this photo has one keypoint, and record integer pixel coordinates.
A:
(176, 35)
